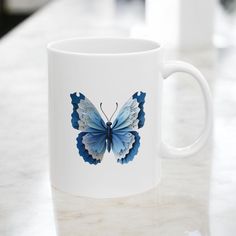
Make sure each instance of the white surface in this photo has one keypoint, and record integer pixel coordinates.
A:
(196, 195)
(196, 24)
(185, 24)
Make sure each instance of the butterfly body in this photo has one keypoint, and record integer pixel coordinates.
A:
(97, 136)
(109, 135)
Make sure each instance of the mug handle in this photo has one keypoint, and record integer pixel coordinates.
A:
(178, 66)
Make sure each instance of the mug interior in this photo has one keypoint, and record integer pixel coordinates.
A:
(103, 46)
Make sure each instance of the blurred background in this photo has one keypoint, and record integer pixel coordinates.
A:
(12, 12)
(187, 22)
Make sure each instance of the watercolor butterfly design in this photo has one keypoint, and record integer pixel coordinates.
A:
(96, 136)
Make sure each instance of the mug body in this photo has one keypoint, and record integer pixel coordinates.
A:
(126, 72)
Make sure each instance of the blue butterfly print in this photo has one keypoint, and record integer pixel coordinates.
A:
(96, 136)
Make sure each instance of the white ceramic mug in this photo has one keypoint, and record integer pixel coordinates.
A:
(105, 115)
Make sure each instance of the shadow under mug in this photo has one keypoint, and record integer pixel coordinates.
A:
(105, 98)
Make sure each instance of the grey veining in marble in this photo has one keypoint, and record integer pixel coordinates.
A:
(197, 195)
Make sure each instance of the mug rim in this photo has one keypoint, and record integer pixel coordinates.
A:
(152, 46)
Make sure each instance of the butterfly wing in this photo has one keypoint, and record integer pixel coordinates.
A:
(85, 117)
(125, 138)
(91, 146)
(125, 145)
(91, 142)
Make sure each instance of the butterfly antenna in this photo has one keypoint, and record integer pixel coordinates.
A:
(103, 111)
(114, 111)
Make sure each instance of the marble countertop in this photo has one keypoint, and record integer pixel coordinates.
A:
(197, 195)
